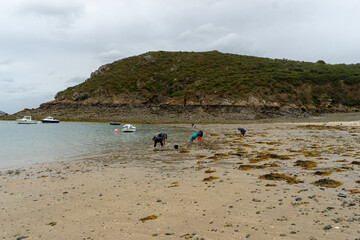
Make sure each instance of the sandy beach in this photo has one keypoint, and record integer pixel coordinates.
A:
(282, 181)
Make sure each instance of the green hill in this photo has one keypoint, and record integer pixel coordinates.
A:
(159, 77)
(207, 87)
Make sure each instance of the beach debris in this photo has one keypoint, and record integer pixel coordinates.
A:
(184, 151)
(52, 224)
(210, 171)
(355, 162)
(327, 227)
(279, 177)
(306, 164)
(151, 217)
(270, 185)
(322, 173)
(266, 156)
(354, 191)
(357, 181)
(342, 195)
(21, 237)
(209, 179)
(328, 183)
(313, 153)
(174, 184)
(245, 167)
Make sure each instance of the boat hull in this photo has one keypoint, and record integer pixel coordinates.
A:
(50, 121)
(26, 122)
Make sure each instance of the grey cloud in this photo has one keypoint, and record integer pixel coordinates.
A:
(61, 13)
(7, 80)
(6, 62)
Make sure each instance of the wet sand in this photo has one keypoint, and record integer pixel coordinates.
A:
(224, 189)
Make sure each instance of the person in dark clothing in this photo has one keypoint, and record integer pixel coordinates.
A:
(163, 136)
(242, 131)
(199, 137)
(156, 140)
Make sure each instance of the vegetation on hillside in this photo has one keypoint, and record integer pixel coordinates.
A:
(186, 74)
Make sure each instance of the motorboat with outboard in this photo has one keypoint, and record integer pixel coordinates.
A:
(49, 120)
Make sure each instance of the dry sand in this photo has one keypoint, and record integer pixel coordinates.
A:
(106, 199)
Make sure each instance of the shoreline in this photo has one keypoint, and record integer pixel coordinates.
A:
(106, 199)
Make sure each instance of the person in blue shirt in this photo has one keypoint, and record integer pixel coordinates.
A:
(193, 137)
(163, 136)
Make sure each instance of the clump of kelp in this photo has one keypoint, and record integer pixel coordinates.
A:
(306, 164)
(210, 171)
(322, 173)
(246, 167)
(355, 162)
(209, 179)
(328, 183)
(280, 177)
(266, 156)
(151, 217)
(354, 191)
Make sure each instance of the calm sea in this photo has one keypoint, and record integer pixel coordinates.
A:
(24, 144)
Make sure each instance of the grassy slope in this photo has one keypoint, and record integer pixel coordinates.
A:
(184, 74)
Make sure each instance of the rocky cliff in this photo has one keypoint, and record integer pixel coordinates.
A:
(3, 113)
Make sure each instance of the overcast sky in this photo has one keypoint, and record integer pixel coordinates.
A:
(49, 45)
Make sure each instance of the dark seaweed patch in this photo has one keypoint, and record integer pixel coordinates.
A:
(151, 217)
(322, 173)
(306, 164)
(279, 177)
(209, 179)
(328, 183)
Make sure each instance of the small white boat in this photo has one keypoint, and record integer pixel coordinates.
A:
(26, 120)
(49, 120)
(128, 128)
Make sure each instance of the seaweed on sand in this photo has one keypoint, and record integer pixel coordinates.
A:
(246, 167)
(279, 177)
(306, 164)
(266, 156)
(209, 179)
(328, 183)
(322, 173)
(151, 217)
(355, 162)
(354, 191)
(184, 151)
(210, 171)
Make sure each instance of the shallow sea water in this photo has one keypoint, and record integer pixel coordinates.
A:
(25, 144)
